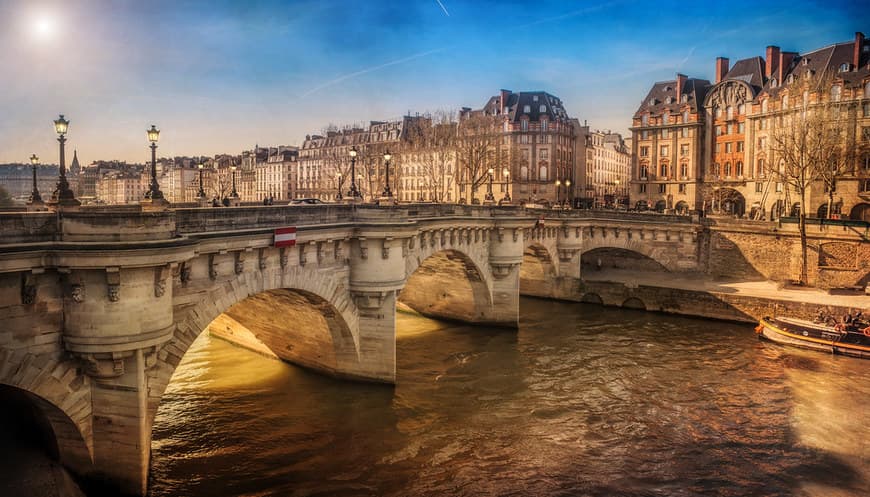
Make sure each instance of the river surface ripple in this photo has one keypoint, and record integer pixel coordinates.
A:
(581, 401)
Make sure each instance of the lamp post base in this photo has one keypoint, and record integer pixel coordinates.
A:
(154, 204)
(387, 200)
(36, 206)
(203, 201)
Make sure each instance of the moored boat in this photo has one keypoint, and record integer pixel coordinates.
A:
(851, 339)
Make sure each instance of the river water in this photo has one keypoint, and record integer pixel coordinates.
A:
(582, 400)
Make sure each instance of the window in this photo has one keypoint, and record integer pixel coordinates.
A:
(785, 102)
(741, 109)
(865, 133)
(524, 173)
(684, 132)
(664, 169)
(542, 173)
(864, 186)
(844, 67)
(684, 170)
(544, 154)
(718, 130)
(542, 108)
(779, 187)
(728, 169)
(764, 105)
(738, 169)
(867, 90)
(728, 148)
(684, 98)
(741, 127)
(644, 151)
(644, 120)
(729, 112)
(740, 146)
(718, 148)
(682, 188)
(666, 117)
(866, 108)
(663, 150)
(524, 124)
(835, 93)
(730, 128)
(759, 187)
(641, 188)
(685, 117)
(644, 135)
(644, 171)
(665, 133)
(759, 168)
(544, 125)
(684, 149)
(652, 102)
(663, 188)
(773, 82)
(534, 98)
(762, 142)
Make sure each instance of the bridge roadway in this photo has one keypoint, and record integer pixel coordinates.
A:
(99, 305)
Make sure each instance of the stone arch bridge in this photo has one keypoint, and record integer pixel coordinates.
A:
(99, 305)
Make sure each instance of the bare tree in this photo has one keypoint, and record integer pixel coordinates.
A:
(477, 143)
(809, 146)
(431, 145)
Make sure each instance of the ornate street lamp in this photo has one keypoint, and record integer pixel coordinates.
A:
(338, 186)
(354, 192)
(387, 157)
(234, 194)
(507, 182)
(201, 192)
(154, 192)
(489, 196)
(62, 194)
(35, 197)
(558, 184)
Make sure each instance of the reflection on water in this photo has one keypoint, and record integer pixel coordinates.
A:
(582, 400)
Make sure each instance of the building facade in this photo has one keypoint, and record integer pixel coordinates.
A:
(731, 161)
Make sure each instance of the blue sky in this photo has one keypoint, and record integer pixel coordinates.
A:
(219, 76)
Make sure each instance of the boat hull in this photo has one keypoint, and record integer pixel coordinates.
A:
(812, 336)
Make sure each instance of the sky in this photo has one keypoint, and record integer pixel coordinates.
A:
(220, 76)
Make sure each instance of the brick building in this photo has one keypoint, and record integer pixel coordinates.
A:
(710, 145)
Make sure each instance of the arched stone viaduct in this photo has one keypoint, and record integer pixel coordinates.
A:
(99, 306)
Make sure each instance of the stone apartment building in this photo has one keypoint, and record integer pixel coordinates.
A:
(607, 169)
(275, 176)
(539, 146)
(324, 162)
(729, 128)
(118, 187)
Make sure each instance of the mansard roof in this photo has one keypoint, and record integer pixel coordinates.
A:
(750, 71)
(516, 102)
(663, 97)
(824, 64)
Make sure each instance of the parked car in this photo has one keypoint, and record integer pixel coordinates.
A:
(306, 201)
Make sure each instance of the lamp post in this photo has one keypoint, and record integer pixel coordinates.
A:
(234, 193)
(35, 197)
(507, 189)
(338, 186)
(154, 192)
(353, 193)
(617, 193)
(201, 192)
(62, 194)
(489, 196)
(387, 157)
(567, 191)
(558, 184)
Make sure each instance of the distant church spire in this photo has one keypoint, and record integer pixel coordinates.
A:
(75, 168)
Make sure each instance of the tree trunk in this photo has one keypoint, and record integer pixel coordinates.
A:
(802, 225)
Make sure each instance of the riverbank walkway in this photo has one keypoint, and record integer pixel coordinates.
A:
(703, 283)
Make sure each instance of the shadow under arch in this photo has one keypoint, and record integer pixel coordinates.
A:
(609, 258)
(537, 272)
(448, 285)
(32, 422)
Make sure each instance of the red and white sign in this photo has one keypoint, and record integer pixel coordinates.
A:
(285, 237)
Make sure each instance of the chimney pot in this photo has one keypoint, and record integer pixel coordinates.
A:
(772, 57)
(721, 68)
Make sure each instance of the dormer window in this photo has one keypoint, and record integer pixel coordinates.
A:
(665, 117)
(527, 109)
(805, 61)
(773, 82)
(844, 67)
(652, 102)
(790, 79)
(684, 98)
(542, 108)
(669, 100)
(534, 98)
(741, 109)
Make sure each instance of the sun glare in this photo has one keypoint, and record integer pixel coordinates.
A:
(44, 27)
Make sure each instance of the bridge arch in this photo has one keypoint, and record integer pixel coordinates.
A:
(60, 397)
(266, 304)
(538, 270)
(612, 248)
(448, 284)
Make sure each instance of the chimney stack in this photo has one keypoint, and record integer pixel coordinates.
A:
(502, 100)
(721, 68)
(681, 82)
(856, 55)
(770, 60)
(785, 59)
